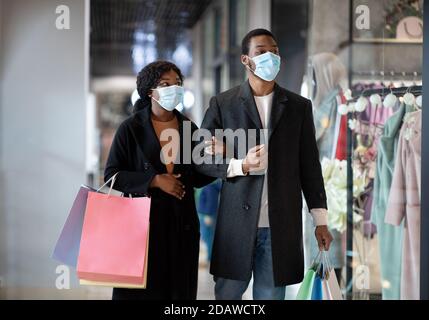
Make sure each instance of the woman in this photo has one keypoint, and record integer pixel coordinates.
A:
(136, 155)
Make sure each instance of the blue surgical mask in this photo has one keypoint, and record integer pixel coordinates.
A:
(170, 97)
(267, 66)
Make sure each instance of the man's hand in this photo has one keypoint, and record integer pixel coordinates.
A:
(256, 159)
(170, 184)
(215, 147)
(324, 237)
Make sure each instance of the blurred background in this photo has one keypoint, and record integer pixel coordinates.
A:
(63, 93)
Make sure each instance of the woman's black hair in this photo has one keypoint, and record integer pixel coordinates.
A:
(149, 77)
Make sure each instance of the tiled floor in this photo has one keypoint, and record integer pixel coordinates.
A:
(205, 289)
(206, 283)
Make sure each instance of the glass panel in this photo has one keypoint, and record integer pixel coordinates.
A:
(365, 86)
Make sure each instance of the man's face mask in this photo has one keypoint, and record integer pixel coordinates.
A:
(267, 66)
(170, 97)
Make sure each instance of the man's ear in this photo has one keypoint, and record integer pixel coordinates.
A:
(244, 60)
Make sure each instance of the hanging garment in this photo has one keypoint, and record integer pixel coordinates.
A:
(404, 202)
(370, 127)
(341, 152)
(340, 147)
(389, 237)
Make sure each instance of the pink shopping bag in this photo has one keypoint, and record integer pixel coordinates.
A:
(114, 239)
(67, 247)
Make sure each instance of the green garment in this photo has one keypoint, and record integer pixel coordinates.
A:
(389, 236)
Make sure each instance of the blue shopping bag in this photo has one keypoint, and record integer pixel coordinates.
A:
(316, 293)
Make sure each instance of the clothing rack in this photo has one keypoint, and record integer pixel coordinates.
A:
(389, 74)
(416, 90)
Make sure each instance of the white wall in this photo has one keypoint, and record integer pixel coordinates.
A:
(43, 88)
(199, 108)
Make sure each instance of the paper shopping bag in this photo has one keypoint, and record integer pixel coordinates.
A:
(114, 239)
(118, 284)
(306, 288)
(67, 247)
(326, 294)
(316, 293)
(334, 287)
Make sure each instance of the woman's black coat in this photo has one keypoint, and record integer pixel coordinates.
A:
(174, 226)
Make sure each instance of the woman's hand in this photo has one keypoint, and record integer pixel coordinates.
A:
(170, 184)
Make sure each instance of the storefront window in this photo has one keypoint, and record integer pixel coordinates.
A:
(366, 91)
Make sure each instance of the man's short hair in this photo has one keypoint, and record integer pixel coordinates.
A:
(245, 44)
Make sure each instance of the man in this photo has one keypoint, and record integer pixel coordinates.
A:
(259, 226)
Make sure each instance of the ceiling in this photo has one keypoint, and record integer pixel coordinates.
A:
(128, 34)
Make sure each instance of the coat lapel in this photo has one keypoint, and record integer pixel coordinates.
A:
(248, 102)
(278, 107)
(148, 142)
(146, 138)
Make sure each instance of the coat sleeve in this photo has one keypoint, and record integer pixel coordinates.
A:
(128, 180)
(213, 166)
(200, 179)
(310, 169)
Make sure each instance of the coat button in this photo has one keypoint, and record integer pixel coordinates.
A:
(246, 206)
(146, 166)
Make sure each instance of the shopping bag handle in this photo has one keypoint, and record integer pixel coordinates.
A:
(112, 180)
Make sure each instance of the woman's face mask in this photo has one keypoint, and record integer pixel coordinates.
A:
(267, 66)
(170, 97)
